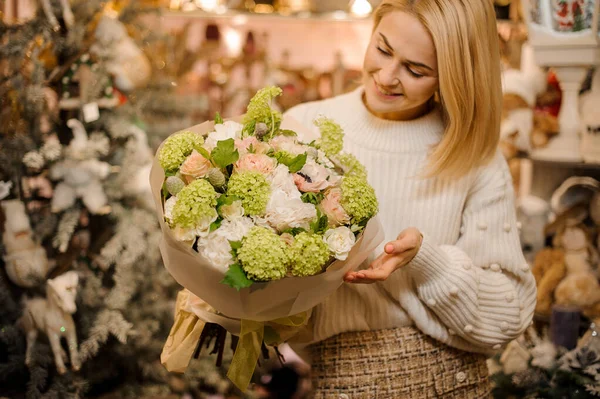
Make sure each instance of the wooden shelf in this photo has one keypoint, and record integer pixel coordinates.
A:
(565, 164)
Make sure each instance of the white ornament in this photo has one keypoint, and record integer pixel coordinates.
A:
(5, 187)
(81, 176)
(26, 261)
(515, 358)
(124, 59)
(68, 16)
(53, 317)
(33, 160)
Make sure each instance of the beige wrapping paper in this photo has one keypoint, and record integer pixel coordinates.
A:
(262, 301)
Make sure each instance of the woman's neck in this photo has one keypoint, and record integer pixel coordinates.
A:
(404, 115)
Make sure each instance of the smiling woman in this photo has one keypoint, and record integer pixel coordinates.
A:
(451, 280)
(401, 68)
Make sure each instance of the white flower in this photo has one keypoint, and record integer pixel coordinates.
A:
(235, 229)
(217, 250)
(284, 212)
(223, 131)
(233, 211)
(323, 160)
(33, 160)
(281, 179)
(202, 229)
(313, 177)
(262, 222)
(340, 241)
(288, 144)
(169, 205)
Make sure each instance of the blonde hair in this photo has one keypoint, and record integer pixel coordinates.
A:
(470, 91)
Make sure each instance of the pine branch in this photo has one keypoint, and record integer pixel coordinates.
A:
(108, 322)
(66, 228)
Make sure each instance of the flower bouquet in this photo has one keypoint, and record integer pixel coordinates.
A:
(259, 224)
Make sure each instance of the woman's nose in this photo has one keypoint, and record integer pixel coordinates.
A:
(388, 76)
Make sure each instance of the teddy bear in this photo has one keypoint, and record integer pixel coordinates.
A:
(548, 269)
(522, 129)
(580, 287)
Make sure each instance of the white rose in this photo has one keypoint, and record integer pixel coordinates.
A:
(223, 131)
(284, 212)
(281, 179)
(169, 205)
(235, 229)
(217, 250)
(340, 241)
(233, 211)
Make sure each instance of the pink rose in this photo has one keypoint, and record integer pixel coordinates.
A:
(258, 147)
(331, 207)
(256, 162)
(195, 166)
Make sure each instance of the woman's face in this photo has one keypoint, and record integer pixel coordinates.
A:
(400, 68)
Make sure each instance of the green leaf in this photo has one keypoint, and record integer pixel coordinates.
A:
(294, 231)
(319, 226)
(215, 225)
(248, 129)
(204, 152)
(170, 173)
(218, 119)
(225, 153)
(287, 132)
(294, 164)
(165, 191)
(297, 163)
(226, 200)
(312, 198)
(235, 246)
(236, 278)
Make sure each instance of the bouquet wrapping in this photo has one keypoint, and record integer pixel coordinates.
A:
(261, 218)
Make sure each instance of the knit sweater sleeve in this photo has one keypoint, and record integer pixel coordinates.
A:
(481, 289)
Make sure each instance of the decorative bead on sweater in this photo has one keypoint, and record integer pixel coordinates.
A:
(469, 286)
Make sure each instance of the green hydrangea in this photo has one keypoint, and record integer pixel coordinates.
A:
(358, 198)
(309, 254)
(195, 202)
(350, 165)
(259, 109)
(263, 255)
(253, 189)
(332, 136)
(176, 149)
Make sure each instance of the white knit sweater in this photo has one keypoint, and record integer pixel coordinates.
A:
(469, 286)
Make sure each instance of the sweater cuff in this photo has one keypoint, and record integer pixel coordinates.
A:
(431, 262)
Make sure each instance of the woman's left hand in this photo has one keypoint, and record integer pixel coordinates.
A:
(397, 254)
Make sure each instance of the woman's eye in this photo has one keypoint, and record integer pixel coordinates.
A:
(414, 74)
(382, 51)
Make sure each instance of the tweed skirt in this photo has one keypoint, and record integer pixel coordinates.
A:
(395, 363)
